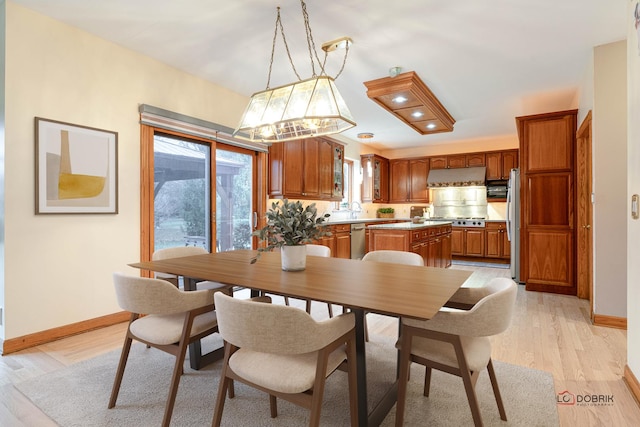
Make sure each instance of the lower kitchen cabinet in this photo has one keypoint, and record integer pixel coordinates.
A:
(342, 236)
(339, 242)
(497, 243)
(468, 241)
(433, 243)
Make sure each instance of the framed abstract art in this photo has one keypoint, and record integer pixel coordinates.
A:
(76, 168)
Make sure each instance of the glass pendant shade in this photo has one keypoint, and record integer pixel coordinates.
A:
(311, 107)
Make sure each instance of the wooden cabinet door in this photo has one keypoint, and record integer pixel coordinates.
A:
(547, 144)
(434, 252)
(509, 161)
(330, 242)
(325, 168)
(439, 162)
(457, 241)
(497, 244)
(276, 172)
(475, 159)
(446, 251)
(494, 166)
(399, 190)
(506, 245)
(311, 171)
(293, 169)
(474, 242)
(418, 172)
(493, 237)
(457, 161)
(382, 165)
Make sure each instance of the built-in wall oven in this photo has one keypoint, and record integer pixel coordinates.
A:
(497, 189)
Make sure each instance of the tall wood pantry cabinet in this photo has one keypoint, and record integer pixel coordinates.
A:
(547, 193)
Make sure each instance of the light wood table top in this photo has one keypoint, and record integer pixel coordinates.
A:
(393, 289)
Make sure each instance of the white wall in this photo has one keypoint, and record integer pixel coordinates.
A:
(610, 178)
(633, 182)
(58, 267)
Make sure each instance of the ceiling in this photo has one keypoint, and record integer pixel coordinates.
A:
(486, 61)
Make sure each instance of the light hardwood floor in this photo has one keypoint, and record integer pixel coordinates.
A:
(549, 332)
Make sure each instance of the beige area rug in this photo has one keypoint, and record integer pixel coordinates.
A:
(78, 395)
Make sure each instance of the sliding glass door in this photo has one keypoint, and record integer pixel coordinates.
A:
(192, 209)
(234, 198)
(181, 194)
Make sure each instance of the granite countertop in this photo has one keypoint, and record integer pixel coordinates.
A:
(408, 225)
(363, 220)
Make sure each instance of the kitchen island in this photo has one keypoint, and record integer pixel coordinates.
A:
(429, 239)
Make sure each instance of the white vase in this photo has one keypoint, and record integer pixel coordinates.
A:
(294, 258)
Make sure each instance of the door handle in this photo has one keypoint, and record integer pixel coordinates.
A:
(588, 226)
(255, 220)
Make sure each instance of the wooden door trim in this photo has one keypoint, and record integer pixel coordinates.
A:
(585, 210)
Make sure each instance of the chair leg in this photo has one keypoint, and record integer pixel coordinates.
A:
(330, 308)
(286, 300)
(175, 382)
(403, 376)
(308, 306)
(427, 381)
(468, 384)
(496, 390)
(316, 400)
(120, 371)
(223, 386)
(222, 390)
(273, 406)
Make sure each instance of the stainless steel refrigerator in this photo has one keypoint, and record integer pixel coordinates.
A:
(513, 222)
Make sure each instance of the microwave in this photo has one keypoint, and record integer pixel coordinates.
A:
(497, 189)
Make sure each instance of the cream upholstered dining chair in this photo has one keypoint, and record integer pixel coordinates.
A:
(184, 251)
(284, 352)
(172, 320)
(391, 257)
(322, 251)
(457, 341)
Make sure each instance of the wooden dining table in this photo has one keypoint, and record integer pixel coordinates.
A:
(390, 289)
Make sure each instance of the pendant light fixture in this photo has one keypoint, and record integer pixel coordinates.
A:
(305, 108)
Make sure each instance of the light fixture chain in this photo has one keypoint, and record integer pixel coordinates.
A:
(286, 46)
(310, 43)
(344, 61)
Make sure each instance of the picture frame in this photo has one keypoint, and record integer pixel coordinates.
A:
(76, 169)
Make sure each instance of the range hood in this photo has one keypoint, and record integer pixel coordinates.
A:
(458, 177)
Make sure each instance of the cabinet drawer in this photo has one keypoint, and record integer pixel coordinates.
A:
(341, 228)
(495, 225)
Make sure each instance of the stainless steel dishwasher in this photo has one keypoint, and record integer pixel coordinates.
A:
(357, 241)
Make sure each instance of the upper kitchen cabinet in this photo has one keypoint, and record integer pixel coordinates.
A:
(308, 168)
(500, 163)
(547, 193)
(457, 161)
(408, 180)
(375, 178)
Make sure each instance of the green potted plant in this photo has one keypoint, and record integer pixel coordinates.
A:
(385, 213)
(290, 226)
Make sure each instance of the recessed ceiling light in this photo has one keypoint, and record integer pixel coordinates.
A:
(400, 99)
(365, 135)
(431, 126)
(417, 114)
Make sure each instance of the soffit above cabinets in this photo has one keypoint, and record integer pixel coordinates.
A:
(420, 110)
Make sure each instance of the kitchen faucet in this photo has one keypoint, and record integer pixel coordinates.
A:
(356, 208)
